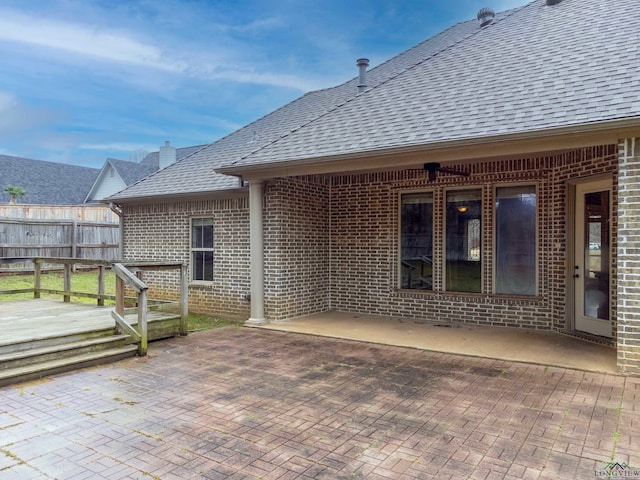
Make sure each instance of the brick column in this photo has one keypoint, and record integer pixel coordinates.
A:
(629, 255)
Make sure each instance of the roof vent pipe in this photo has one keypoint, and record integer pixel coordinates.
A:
(553, 2)
(362, 63)
(486, 16)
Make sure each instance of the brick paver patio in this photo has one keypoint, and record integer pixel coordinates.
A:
(248, 404)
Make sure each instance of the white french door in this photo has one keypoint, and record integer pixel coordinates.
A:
(592, 260)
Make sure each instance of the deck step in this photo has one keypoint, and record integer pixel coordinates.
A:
(52, 352)
(74, 362)
(8, 346)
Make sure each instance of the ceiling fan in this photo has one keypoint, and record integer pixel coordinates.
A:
(433, 168)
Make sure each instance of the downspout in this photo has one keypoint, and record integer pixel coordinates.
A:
(117, 209)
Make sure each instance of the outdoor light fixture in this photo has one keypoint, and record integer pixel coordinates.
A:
(462, 208)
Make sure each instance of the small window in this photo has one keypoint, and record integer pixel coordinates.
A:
(416, 239)
(202, 249)
(515, 269)
(463, 266)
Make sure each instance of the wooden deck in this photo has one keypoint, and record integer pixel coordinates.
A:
(27, 320)
(24, 320)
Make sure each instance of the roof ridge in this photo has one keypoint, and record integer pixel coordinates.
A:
(507, 14)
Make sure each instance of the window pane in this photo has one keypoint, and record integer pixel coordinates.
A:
(416, 240)
(516, 240)
(198, 265)
(202, 233)
(464, 239)
(207, 267)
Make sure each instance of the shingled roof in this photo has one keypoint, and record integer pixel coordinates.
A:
(195, 174)
(573, 65)
(46, 183)
(533, 69)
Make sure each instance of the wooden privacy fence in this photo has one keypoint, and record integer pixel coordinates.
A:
(57, 238)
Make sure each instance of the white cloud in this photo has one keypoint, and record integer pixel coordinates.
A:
(83, 40)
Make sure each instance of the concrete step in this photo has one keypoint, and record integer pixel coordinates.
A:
(73, 362)
(64, 349)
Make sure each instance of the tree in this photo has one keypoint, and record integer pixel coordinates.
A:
(15, 192)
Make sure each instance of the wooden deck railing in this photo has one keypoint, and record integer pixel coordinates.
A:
(127, 273)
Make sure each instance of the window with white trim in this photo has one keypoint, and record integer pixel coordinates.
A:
(202, 249)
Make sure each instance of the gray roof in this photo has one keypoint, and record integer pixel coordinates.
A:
(46, 183)
(539, 68)
(131, 172)
(195, 174)
(534, 68)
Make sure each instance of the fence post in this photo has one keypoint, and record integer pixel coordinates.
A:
(67, 281)
(36, 278)
(74, 242)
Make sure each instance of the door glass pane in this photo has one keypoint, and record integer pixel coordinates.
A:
(416, 240)
(516, 240)
(464, 241)
(596, 255)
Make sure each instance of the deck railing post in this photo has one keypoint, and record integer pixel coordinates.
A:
(101, 270)
(184, 299)
(142, 322)
(67, 281)
(36, 278)
(119, 296)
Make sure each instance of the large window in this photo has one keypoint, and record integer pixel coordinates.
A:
(416, 239)
(515, 241)
(463, 266)
(202, 249)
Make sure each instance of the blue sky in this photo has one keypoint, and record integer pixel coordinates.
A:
(84, 80)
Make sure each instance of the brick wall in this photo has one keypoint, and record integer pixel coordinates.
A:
(296, 242)
(628, 250)
(159, 232)
(364, 241)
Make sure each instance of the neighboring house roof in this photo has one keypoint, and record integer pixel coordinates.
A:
(46, 183)
(535, 68)
(130, 172)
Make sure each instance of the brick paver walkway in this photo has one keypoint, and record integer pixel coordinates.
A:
(249, 403)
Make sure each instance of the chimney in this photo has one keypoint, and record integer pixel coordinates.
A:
(553, 2)
(486, 16)
(167, 155)
(362, 63)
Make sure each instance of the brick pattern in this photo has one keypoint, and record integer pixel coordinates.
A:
(162, 232)
(365, 248)
(332, 243)
(252, 403)
(628, 302)
(296, 239)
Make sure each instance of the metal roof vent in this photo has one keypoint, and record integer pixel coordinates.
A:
(362, 64)
(553, 2)
(486, 16)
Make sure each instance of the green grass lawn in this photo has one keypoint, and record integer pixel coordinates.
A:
(88, 282)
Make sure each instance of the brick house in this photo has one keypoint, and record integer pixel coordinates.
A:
(488, 175)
